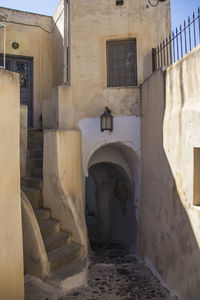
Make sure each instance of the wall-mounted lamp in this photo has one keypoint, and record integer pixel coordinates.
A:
(156, 3)
(106, 120)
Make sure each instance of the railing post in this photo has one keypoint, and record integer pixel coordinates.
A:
(153, 59)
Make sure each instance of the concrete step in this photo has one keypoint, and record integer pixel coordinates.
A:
(33, 153)
(70, 276)
(57, 240)
(34, 196)
(49, 227)
(35, 162)
(33, 145)
(42, 214)
(36, 172)
(35, 135)
(31, 182)
(65, 255)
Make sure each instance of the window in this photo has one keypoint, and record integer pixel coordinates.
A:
(119, 2)
(121, 63)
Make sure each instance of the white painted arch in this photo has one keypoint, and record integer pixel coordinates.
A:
(121, 146)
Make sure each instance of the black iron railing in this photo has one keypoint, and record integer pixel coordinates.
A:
(178, 43)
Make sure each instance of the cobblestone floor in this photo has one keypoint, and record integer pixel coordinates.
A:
(116, 275)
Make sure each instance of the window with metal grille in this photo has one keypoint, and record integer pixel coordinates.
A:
(121, 63)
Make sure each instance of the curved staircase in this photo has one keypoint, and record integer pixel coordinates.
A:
(66, 258)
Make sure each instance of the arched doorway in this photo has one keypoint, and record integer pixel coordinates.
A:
(111, 189)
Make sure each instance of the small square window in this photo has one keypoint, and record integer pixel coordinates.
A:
(119, 2)
(121, 63)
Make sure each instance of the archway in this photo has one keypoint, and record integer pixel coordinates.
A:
(111, 196)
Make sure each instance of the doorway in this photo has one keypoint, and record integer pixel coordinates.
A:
(110, 206)
(23, 66)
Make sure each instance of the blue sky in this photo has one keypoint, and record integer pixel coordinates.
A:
(180, 8)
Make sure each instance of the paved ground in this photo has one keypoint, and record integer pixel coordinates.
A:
(113, 275)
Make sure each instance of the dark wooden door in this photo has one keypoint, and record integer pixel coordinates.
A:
(23, 66)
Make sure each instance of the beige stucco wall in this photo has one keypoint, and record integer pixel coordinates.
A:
(94, 22)
(11, 248)
(35, 43)
(170, 223)
(63, 190)
(35, 257)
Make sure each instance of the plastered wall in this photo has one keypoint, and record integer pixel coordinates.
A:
(11, 249)
(170, 235)
(92, 23)
(63, 190)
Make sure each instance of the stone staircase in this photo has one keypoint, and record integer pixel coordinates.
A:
(63, 254)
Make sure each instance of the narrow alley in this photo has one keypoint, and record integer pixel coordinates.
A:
(114, 274)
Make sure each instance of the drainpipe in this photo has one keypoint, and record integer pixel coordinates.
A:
(4, 48)
(69, 42)
(4, 43)
(66, 44)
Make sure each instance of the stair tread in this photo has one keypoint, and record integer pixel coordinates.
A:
(30, 189)
(70, 269)
(48, 222)
(31, 159)
(31, 129)
(32, 178)
(60, 252)
(42, 211)
(56, 236)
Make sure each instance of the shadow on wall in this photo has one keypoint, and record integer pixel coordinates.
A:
(110, 206)
(167, 238)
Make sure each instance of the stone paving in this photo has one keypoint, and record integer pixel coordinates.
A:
(114, 274)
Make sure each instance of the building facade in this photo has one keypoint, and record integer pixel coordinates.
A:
(90, 55)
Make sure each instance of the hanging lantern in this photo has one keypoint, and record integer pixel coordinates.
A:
(106, 120)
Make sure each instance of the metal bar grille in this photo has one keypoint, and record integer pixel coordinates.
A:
(178, 44)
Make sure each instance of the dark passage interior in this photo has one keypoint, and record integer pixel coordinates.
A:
(110, 206)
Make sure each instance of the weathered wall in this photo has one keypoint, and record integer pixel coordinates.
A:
(92, 23)
(35, 257)
(35, 43)
(170, 223)
(63, 190)
(11, 245)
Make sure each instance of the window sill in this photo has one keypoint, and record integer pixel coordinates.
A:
(122, 87)
(196, 206)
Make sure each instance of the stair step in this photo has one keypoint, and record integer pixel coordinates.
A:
(36, 172)
(35, 162)
(31, 182)
(33, 153)
(77, 270)
(65, 255)
(33, 145)
(34, 196)
(57, 240)
(49, 227)
(42, 214)
(35, 135)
